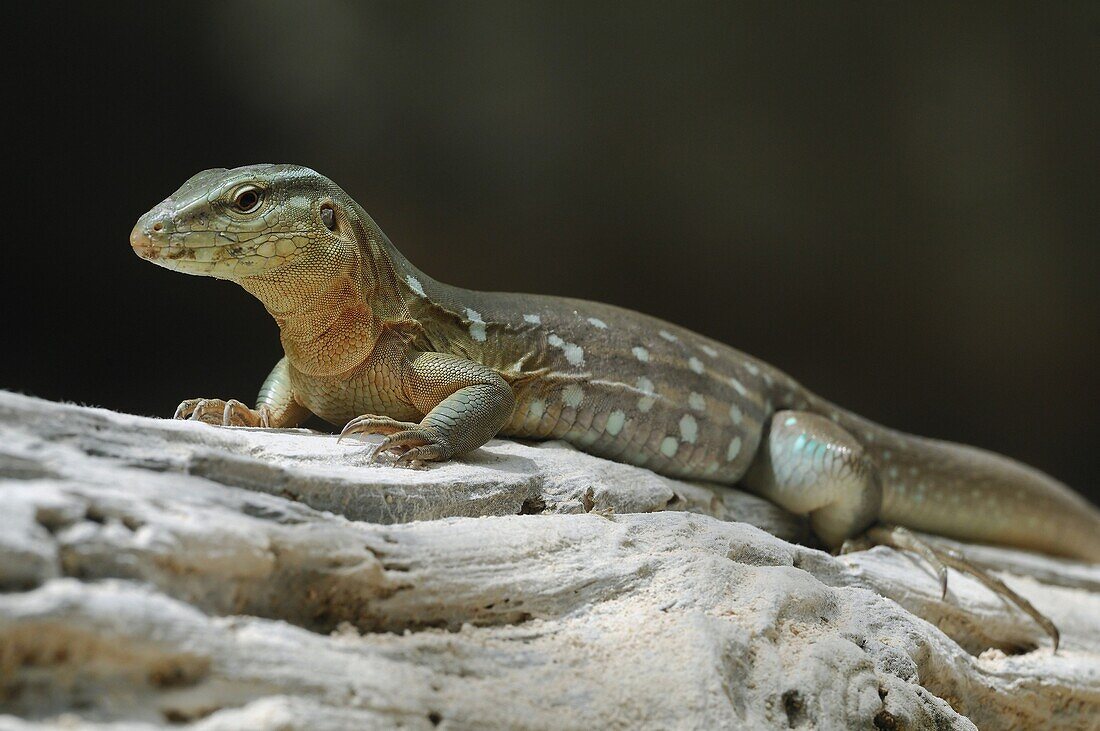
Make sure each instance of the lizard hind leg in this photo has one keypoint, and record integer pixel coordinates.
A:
(811, 466)
(941, 558)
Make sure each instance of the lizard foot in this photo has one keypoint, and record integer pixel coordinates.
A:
(942, 557)
(223, 413)
(411, 442)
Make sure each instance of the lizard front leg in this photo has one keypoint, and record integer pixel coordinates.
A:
(275, 405)
(465, 404)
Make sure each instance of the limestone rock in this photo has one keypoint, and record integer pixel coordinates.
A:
(156, 573)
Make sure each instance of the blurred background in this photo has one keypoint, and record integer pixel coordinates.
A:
(897, 204)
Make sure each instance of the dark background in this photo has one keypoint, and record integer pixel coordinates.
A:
(897, 204)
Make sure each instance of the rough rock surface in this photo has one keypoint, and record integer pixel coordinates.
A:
(157, 573)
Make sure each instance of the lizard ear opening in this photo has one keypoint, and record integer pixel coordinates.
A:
(328, 216)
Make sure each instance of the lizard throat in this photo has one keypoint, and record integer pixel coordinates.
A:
(326, 323)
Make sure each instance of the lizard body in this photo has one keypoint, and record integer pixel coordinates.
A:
(372, 341)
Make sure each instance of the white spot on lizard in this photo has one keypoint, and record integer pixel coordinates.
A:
(597, 323)
(669, 447)
(668, 336)
(708, 350)
(697, 401)
(689, 429)
(572, 395)
(573, 352)
(734, 449)
(477, 325)
(640, 353)
(533, 319)
(735, 414)
(615, 422)
(695, 364)
(738, 386)
(414, 285)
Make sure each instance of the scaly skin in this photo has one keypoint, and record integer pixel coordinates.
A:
(370, 339)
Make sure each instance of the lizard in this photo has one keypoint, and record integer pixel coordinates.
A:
(373, 343)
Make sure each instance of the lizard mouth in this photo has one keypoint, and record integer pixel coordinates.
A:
(176, 256)
(201, 253)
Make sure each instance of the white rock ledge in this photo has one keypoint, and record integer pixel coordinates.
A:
(157, 574)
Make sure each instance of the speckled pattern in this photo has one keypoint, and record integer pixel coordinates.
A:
(440, 370)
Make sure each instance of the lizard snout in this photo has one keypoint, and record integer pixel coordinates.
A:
(142, 242)
(148, 237)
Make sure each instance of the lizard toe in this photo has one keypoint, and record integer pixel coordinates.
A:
(942, 557)
(413, 442)
(426, 453)
(219, 412)
(234, 413)
(371, 424)
(186, 408)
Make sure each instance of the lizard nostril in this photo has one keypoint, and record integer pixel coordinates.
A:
(158, 226)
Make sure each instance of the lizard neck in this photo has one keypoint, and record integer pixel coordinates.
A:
(325, 323)
(333, 305)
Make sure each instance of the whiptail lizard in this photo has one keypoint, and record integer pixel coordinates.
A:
(374, 343)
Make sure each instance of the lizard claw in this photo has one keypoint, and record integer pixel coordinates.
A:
(371, 424)
(418, 444)
(222, 413)
(426, 453)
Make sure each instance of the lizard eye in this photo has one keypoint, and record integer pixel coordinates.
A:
(247, 199)
(328, 217)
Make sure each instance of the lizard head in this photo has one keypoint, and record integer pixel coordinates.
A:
(233, 224)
